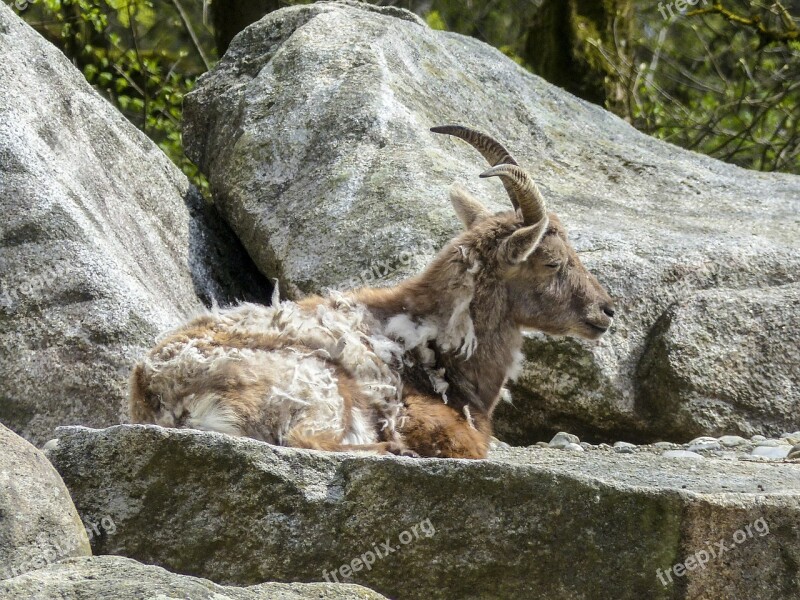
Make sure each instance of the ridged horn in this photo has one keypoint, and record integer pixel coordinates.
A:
(521, 189)
(530, 199)
(492, 150)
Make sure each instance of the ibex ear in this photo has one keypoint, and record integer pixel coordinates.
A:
(467, 207)
(520, 245)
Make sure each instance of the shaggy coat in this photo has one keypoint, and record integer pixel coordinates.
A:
(416, 369)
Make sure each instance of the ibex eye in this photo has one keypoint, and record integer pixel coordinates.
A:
(553, 265)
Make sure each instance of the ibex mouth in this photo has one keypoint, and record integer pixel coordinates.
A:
(598, 328)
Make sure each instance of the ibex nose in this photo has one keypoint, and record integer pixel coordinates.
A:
(609, 310)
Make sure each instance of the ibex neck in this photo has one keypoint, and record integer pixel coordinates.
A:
(476, 340)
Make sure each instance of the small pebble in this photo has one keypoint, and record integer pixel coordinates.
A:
(731, 441)
(50, 445)
(574, 448)
(681, 454)
(624, 449)
(778, 452)
(793, 438)
(495, 444)
(664, 445)
(562, 439)
(794, 453)
(624, 445)
(542, 445)
(703, 443)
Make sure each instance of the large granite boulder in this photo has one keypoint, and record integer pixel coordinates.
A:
(125, 579)
(526, 523)
(724, 360)
(38, 521)
(314, 132)
(103, 243)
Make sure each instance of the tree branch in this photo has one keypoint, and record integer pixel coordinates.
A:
(765, 34)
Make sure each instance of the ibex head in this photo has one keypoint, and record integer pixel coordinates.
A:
(548, 288)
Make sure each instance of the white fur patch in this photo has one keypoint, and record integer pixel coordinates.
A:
(208, 413)
(515, 368)
(361, 430)
(460, 332)
(411, 334)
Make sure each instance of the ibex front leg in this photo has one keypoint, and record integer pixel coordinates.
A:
(435, 429)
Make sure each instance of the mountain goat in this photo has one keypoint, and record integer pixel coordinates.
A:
(415, 369)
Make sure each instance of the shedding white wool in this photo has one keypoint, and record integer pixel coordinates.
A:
(304, 396)
(460, 332)
(468, 416)
(505, 395)
(411, 334)
(361, 430)
(276, 293)
(438, 382)
(515, 368)
(290, 379)
(208, 412)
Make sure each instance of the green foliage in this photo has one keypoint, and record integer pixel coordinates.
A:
(717, 87)
(501, 23)
(435, 21)
(140, 54)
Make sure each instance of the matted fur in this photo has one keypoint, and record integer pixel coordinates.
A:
(268, 371)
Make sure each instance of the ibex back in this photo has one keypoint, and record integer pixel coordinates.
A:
(416, 369)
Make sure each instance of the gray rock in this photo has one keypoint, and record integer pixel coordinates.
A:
(574, 448)
(777, 452)
(125, 579)
(794, 453)
(773, 443)
(530, 523)
(704, 443)
(725, 360)
(792, 438)
(732, 441)
(38, 521)
(313, 130)
(622, 444)
(98, 249)
(497, 445)
(757, 438)
(624, 447)
(563, 439)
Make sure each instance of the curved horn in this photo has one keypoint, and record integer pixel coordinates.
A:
(530, 199)
(490, 148)
(521, 189)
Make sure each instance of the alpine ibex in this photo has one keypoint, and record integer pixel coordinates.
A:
(416, 369)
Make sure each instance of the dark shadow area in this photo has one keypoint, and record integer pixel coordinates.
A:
(222, 270)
